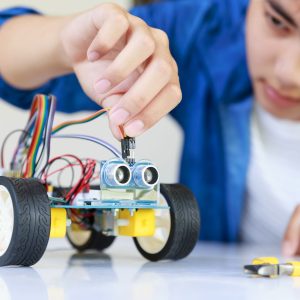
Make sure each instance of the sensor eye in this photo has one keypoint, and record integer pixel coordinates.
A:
(116, 174)
(150, 175)
(145, 175)
(122, 174)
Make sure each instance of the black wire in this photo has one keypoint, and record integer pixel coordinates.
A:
(41, 153)
(79, 183)
(5, 141)
(73, 173)
(47, 167)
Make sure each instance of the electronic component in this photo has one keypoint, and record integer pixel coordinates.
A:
(118, 173)
(128, 146)
(145, 174)
(115, 173)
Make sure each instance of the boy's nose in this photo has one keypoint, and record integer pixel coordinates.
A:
(287, 69)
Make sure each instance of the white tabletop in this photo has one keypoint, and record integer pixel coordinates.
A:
(212, 271)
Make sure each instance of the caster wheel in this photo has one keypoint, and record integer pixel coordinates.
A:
(24, 221)
(177, 229)
(83, 240)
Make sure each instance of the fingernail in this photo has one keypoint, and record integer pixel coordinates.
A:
(93, 55)
(134, 128)
(119, 116)
(288, 248)
(102, 86)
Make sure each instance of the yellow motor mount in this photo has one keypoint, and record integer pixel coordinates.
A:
(140, 222)
(58, 222)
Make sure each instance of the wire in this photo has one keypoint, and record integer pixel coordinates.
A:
(5, 141)
(60, 170)
(44, 173)
(87, 172)
(122, 131)
(47, 135)
(22, 139)
(80, 121)
(101, 142)
(33, 149)
(40, 105)
(82, 218)
(72, 178)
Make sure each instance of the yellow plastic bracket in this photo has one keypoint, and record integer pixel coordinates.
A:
(140, 223)
(58, 223)
(296, 265)
(265, 260)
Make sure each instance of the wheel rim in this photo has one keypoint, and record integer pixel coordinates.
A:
(79, 237)
(6, 219)
(154, 244)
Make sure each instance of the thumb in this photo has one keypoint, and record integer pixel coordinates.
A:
(291, 239)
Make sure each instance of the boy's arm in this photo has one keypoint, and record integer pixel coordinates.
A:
(115, 56)
(32, 52)
(23, 97)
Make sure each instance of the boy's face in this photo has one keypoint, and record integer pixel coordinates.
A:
(273, 50)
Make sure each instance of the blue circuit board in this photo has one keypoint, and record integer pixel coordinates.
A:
(111, 204)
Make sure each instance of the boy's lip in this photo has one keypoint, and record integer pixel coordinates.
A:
(278, 99)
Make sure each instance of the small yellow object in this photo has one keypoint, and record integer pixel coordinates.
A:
(58, 223)
(296, 265)
(50, 188)
(140, 223)
(265, 260)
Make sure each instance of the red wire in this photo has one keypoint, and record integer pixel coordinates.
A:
(60, 169)
(80, 163)
(87, 173)
(84, 181)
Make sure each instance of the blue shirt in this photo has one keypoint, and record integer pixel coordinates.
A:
(207, 41)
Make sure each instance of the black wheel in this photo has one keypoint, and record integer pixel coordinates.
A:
(88, 239)
(24, 221)
(177, 229)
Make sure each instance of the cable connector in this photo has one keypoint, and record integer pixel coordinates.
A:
(128, 146)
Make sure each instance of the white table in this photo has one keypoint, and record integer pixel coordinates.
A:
(212, 271)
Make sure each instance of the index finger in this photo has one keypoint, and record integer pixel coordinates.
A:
(109, 33)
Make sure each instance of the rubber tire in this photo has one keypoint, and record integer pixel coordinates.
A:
(185, 224)
(97, 241)
(32, 219)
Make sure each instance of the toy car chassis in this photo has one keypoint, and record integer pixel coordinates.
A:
(128, 200)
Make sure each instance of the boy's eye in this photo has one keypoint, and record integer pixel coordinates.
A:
(277, 23)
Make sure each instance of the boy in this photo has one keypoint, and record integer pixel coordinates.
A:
(233, 156)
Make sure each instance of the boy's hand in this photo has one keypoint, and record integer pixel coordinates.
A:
(124, 64)
(291, 240)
